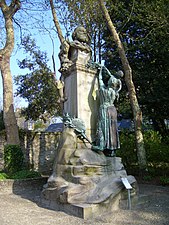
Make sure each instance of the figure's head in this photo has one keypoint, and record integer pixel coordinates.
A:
(111, 82)
(114, 83)
(119, 74)
(80, 34)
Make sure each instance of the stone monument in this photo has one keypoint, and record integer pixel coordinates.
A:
(86, 178)
(79, 79)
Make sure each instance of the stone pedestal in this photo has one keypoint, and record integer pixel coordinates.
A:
(85, 183)
(79, 85)
(89, 211)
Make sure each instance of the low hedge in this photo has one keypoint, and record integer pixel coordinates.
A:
(23, 174)
(13, 158)
(157, 152)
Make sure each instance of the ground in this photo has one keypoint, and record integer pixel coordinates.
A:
(24, 209)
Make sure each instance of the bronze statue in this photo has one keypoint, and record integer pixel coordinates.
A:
(107, 138)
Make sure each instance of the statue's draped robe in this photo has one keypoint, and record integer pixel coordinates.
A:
(107, 130)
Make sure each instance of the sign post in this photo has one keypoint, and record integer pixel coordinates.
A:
(128, 187)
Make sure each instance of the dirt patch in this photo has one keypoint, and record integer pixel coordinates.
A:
(24, 208)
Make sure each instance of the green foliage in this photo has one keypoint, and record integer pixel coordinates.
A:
(124, 106)
(144, 30)
(127, 149)
(82, 12)
(39, 125)
(147, 178)
(164, 180)
(3, 176)
(23, 174)
(13, 158)
(39, 86)
(157, 151)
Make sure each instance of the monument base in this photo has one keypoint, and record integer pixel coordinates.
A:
(89, 211)
(85, 183)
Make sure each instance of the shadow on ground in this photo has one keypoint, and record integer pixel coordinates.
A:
(23, 206)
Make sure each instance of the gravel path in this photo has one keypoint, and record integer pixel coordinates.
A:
(23, 209)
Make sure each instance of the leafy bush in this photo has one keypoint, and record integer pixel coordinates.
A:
(13, 158)
(23, 174)
(147, 178)
(157, 152)
(3, 176)
(164, 180)
(127, 150)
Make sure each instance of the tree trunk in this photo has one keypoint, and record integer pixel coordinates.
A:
(99, 45)
(137, 114)
(56, 22)
(94, 46)
(5, 54)
(8, 107)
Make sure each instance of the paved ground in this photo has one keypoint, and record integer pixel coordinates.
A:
(24, 209)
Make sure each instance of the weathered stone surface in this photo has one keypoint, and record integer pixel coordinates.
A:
(88, 211)
(79, 85)
(79, 56)
(82, 176)
(68, 141)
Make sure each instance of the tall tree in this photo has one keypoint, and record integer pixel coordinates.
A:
(137, 114)
(144, 30)
(8, 11)
(38, 87)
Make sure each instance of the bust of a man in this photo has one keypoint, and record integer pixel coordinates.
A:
(81, 41)
(80, 34)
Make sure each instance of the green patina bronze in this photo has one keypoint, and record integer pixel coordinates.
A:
(107, 138)
(78, 125)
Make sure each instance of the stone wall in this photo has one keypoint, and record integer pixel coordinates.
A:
(39, 150)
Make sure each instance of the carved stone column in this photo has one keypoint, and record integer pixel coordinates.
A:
(79, 85)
